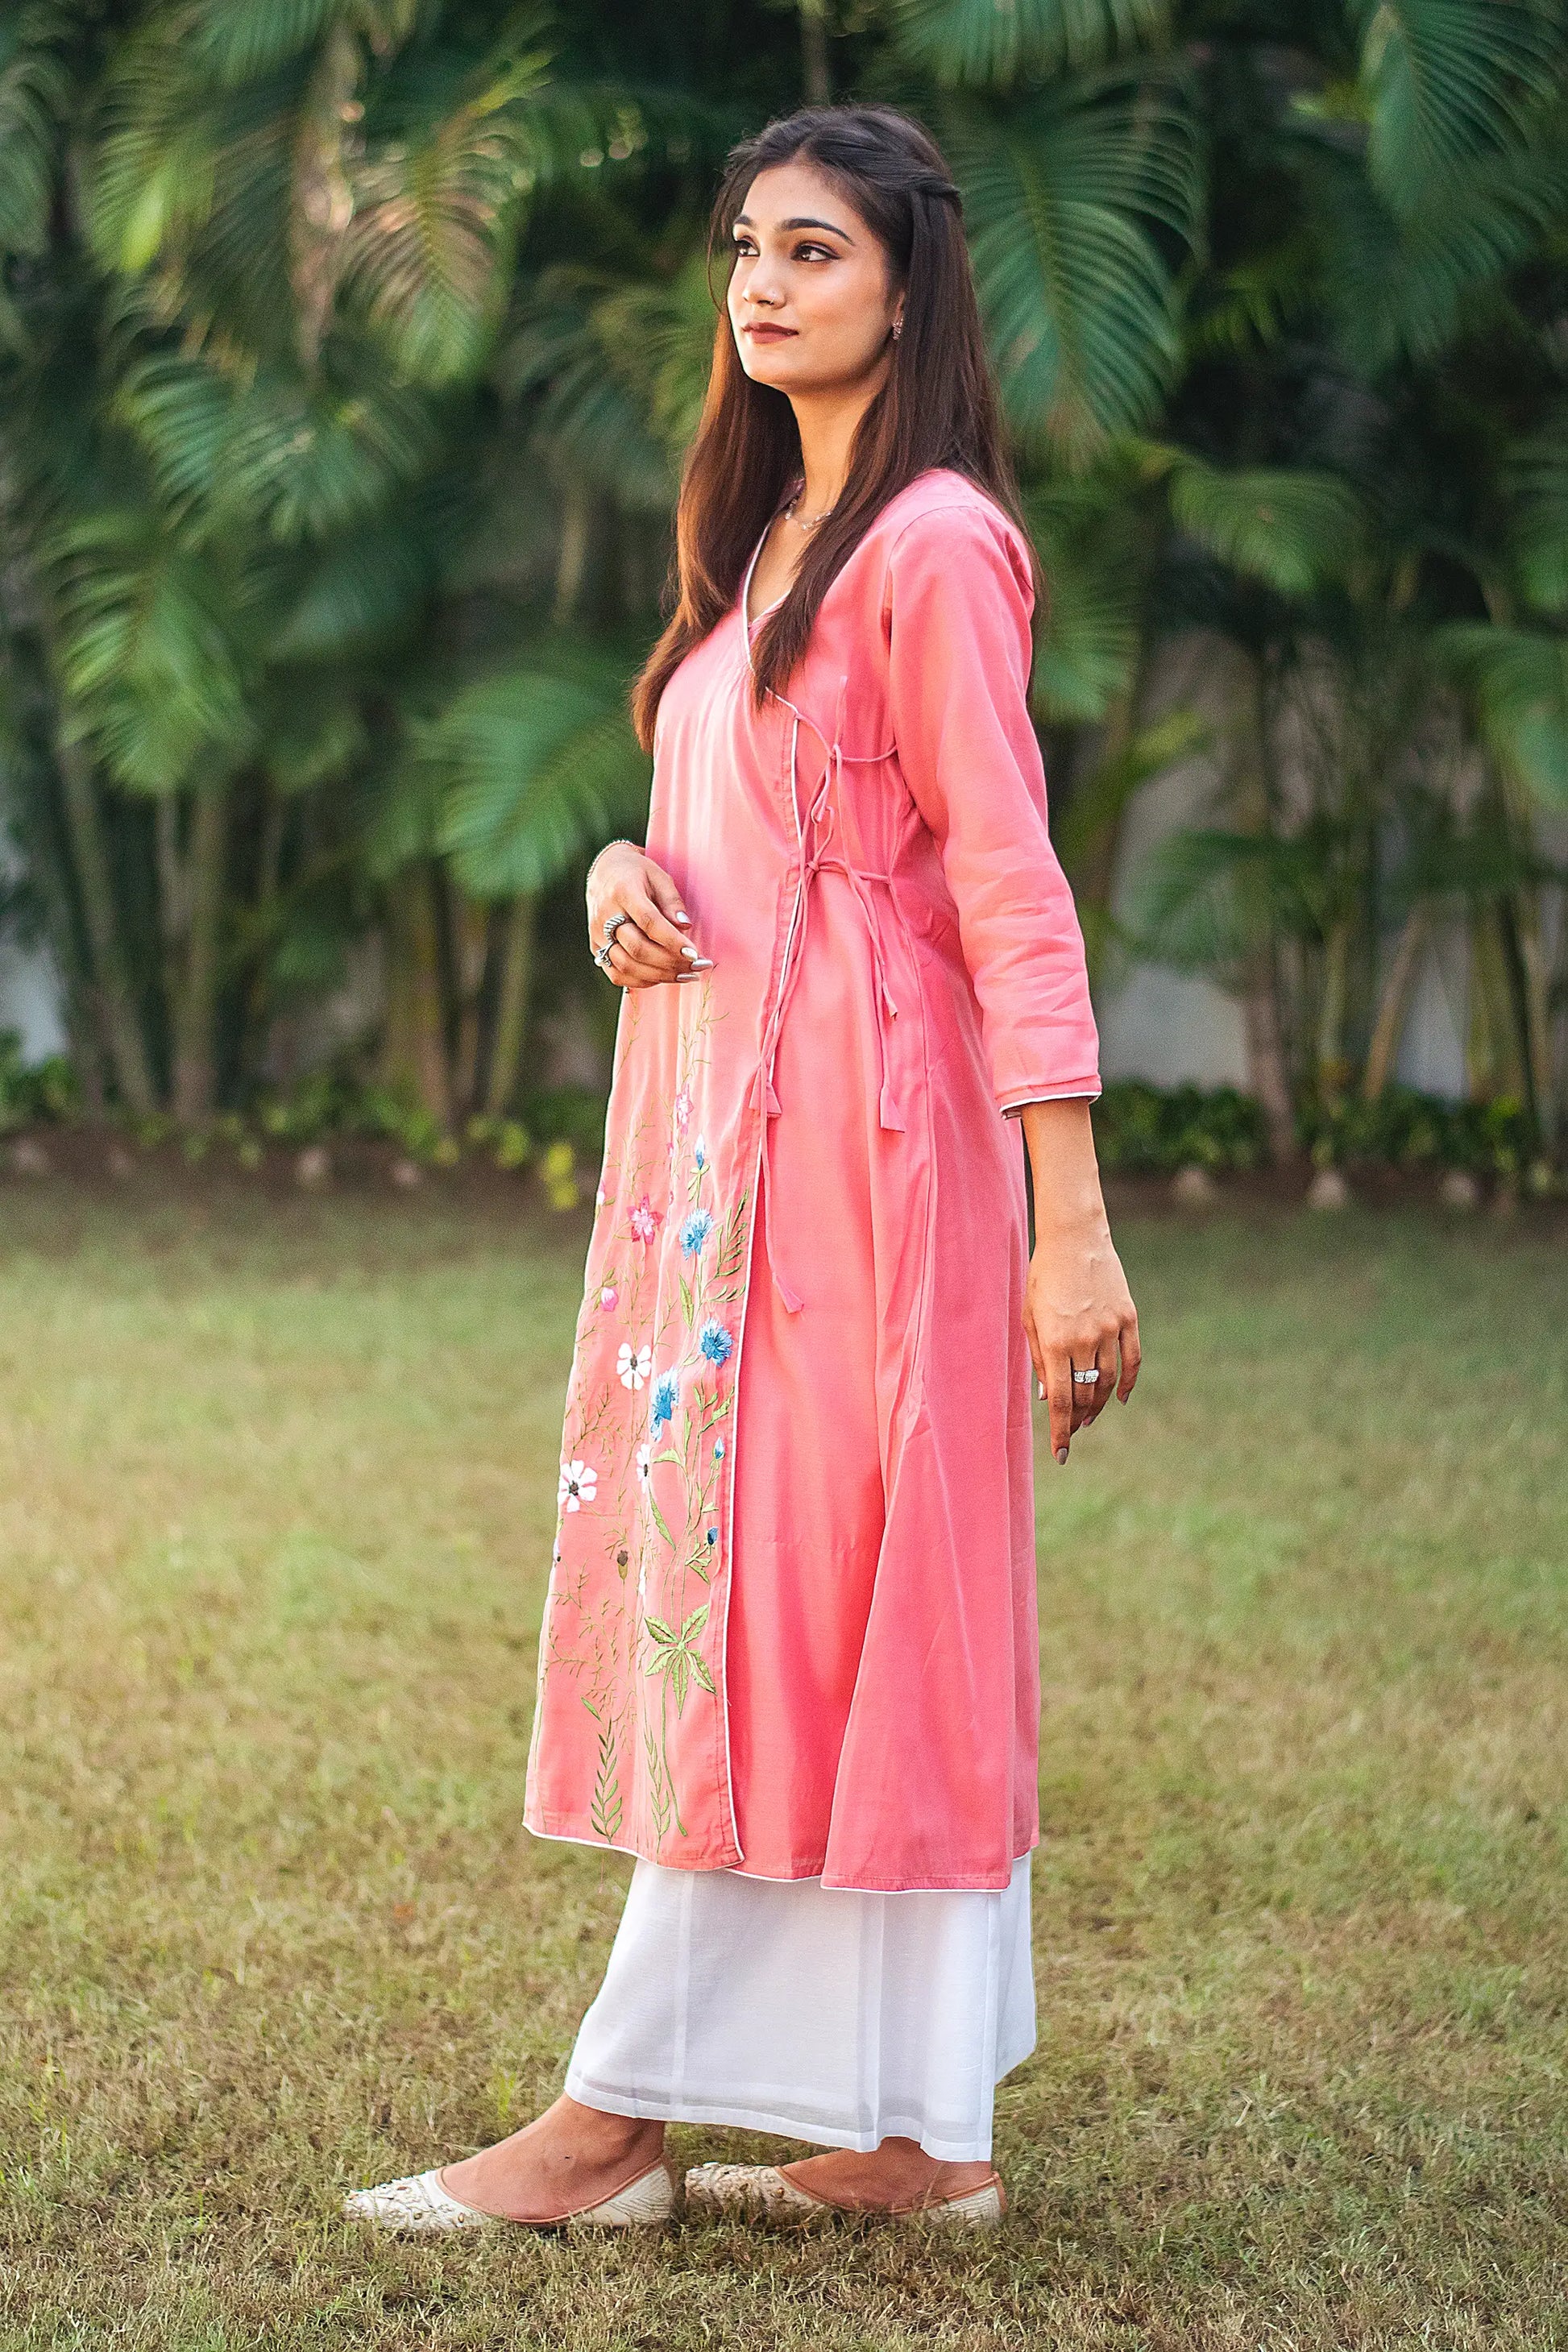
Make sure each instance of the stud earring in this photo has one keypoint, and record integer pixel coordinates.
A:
(898, 329)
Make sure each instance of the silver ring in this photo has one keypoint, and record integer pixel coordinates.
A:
(611, 928)
(1086, 1379)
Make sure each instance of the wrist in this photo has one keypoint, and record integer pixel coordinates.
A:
(620, 843)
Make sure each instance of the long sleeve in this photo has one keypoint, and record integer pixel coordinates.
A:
(957, 610)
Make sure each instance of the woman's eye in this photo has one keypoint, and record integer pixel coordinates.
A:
(814, 253)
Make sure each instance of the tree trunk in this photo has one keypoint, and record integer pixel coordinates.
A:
(1268, 1077)
(118, 1018)
(192, 1011)
(470, 930)
(1393, 1005)
(511, 1005)
(416, 1040)
(815, 77)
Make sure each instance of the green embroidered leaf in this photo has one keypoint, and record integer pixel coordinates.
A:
(604, 1811)
(659, 1520)
(703, 1676)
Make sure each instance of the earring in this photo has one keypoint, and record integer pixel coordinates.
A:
(898, 329)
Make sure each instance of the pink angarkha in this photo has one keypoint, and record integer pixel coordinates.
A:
(791, 1625)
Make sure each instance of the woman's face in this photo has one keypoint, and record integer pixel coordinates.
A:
(811, 301)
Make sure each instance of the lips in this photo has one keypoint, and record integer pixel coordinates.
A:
(769, 334)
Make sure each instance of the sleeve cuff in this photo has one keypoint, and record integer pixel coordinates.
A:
(1085, 1090)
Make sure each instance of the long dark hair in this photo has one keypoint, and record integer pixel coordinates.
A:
(937, 407)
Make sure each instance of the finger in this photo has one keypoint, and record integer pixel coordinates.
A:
(1036, 1353)
(662, 889)
(1132, 1358)
(656, 926)
(1058, 1390)
(636, 959)
(1096, 1399)
(1083, 1394)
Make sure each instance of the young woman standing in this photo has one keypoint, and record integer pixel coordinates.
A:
(790, 1655)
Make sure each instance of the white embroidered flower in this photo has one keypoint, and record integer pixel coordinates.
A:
(632, 1365)
(645, 1463)
(578, 1482)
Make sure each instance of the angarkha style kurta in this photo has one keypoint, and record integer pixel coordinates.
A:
(791, 1624)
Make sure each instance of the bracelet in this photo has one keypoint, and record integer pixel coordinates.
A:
(620, 842)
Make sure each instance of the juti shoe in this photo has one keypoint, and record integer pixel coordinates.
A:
(760, 2192)
(418, 2207)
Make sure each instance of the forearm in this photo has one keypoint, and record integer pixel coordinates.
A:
(1068, 1198)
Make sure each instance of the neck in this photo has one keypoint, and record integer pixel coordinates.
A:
(827, 422)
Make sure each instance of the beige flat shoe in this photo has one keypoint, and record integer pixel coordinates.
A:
(759, 2192)
(418, 2207)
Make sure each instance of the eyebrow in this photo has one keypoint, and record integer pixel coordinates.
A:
(744, 220)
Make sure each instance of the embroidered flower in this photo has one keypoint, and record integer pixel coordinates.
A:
(666, 1389)
(645, 1463)
(578, 1482)
(646, 1220)
(608, 1296)
(700, 1154)
(718, 1449)
(712, 1538)
(683, 1107)
(599, 1198)
(695, 1230)
(632, 1365)
(715, 1342)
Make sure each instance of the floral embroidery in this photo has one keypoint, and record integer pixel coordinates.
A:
(578, 1482)
(646, 1221)
(716, 1343)
(666, 1390)
(695, 1230)
(632, 1365)
(682, 1109)
(608, 1296)
(700, 1156)
(718, 1449)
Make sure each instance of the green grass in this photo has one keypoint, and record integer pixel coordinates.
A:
(276, 1482)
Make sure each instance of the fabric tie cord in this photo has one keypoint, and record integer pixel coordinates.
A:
(814, 835)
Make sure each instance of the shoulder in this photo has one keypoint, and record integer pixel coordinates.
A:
(943, 523)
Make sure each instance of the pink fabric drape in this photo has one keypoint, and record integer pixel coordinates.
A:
(791, 1626)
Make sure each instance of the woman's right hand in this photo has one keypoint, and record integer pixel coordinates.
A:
(648, 947)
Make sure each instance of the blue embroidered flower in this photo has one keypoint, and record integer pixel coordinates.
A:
(715, 1342)
(700, 1154)
(712, 1538)
(666, 1389)
(718, 1449)
(695, 1230)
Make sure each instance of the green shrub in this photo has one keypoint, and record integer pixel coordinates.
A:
(42, 1090)
(1147, 1131)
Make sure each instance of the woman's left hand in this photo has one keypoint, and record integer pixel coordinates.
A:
(1079, 1314)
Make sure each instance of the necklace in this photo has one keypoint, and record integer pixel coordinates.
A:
(804, 522)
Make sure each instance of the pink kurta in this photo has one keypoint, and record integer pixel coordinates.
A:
(791, 1626)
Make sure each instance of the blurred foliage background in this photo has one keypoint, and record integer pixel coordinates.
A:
(347, 351)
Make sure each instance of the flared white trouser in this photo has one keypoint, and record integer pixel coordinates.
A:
(823, 2013)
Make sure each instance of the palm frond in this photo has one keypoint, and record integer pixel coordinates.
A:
(1536, 474)
(1518, 682)
(601, 417)
(1066, 198)
(436, 210)
(531, 766)
(300, 460)
(35, 95)
(978, 44)
(1292, 529)
(1089, 638)
(149, 665)
(365, 588)
(1446, 81)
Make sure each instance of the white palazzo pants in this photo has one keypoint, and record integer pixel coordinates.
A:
(820, 2013)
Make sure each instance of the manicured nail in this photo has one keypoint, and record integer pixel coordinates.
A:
(681, 916)
(701, 964)
(1062, 1456)
(1041, 1386)
(687, 949)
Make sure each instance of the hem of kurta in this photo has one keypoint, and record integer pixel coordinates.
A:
(958, 1882)
(758, 2119)
(1082, 1090)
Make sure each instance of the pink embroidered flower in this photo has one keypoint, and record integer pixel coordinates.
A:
(632, 1365)
(608, 1296)
(683, 1107)
(579, 1481)
(646, 1220)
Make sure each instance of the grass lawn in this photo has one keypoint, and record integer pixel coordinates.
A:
(276, 1487)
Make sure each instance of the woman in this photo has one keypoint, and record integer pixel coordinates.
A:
(790, 1656)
